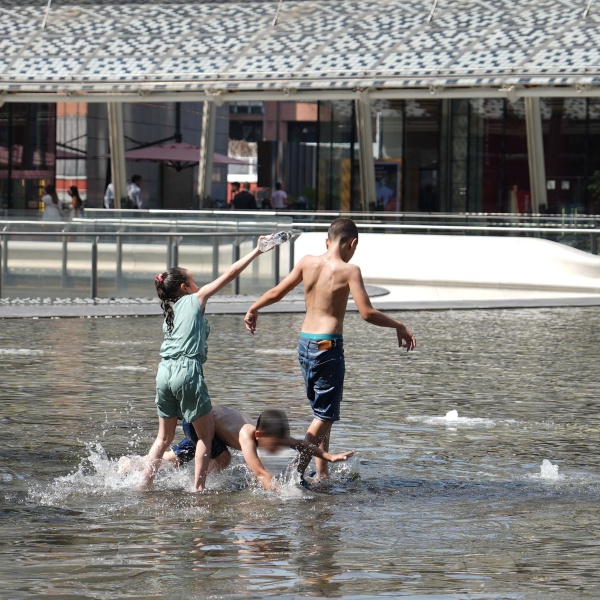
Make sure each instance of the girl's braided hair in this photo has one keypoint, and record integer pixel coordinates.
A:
(168, 288)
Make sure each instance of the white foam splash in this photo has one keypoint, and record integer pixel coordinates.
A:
(452, 418)
(548, 471)
(121, 342)
(99, 475)
(20, 352)
(275, 351)
(348, 470)
(124, 368)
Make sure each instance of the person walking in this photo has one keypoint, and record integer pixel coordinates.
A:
(51, 204)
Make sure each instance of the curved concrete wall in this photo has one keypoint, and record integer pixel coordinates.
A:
(481, 261)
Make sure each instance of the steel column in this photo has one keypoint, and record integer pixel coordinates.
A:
(235, 256)
(119, 265)
(365, 143)
(117, 152)
(215, 258)
(207, 144)
(535, 153)
(64, 273)
(94, 277)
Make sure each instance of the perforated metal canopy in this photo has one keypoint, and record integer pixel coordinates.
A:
(90, 50)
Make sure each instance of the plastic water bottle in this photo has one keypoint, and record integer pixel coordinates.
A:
(275, 239)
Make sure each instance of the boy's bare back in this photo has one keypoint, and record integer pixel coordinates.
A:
(329, 280)
(231, 425)
(326, 289)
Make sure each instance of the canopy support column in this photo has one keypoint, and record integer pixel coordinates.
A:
(535, 153)
(116, 140)
(207, 144)
(365, 143)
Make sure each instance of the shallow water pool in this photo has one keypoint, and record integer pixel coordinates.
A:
(477, 473)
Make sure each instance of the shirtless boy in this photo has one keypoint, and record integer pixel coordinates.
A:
(328, 281)
(234, 430)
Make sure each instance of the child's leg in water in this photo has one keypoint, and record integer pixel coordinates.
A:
(205, 430)
(318, 434)
(166, 433)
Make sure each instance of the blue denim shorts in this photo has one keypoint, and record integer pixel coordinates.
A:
(323, 372)
(186, 449)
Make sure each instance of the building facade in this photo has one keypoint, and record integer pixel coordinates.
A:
(361, 105)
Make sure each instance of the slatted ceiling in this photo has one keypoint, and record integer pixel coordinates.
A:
(325, 43)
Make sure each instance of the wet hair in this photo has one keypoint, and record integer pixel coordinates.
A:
(168, 288)
(273, 423)
(343, 230)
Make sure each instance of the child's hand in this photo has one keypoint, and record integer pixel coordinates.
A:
(341, 456)
(406, 339)
(260, 239)
(251, 319)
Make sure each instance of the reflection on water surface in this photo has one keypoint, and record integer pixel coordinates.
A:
(496, 500)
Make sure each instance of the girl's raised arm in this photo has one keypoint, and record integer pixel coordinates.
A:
(210, 289)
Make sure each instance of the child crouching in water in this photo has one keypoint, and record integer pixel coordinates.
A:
(181, 391)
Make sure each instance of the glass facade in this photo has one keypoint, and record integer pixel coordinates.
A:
(27, 153)
(571, 128)
(450, 155)
(338, 167)
(465, 155)
(453, 155)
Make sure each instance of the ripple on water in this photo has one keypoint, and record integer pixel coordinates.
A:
(451, 498)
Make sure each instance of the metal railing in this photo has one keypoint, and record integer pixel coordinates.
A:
(155, 241)
(172, 243)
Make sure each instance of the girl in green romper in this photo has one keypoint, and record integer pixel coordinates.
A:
(181, 391)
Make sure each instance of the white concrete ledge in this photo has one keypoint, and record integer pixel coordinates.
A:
(454, 269)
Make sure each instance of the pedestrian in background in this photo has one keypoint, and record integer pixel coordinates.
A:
(51, 206)
(109, 196)
(235, 189)
(76, 201)
(134, 192)
(279, 197)
(244, 200)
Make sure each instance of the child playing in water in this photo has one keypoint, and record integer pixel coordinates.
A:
(180, 387)
(328, 281)
(235, 430)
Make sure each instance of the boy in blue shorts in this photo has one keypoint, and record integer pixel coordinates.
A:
(328, 280)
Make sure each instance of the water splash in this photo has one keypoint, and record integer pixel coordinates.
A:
(125, 368)
(549, 471)
(98, 475)
(277, 351)
(452, 418)
(348, 470)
